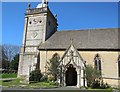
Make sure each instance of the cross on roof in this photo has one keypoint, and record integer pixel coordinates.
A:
(71, 54)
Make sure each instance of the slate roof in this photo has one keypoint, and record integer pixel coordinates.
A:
(83, 39)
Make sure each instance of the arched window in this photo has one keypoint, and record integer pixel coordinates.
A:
(119, 65)
(97, 62)
(56, 56)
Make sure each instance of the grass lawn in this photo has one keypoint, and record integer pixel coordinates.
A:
(77, 91)
(100, 90)
(41, 85)
(16, 83)
(9, 83)
(6, 75)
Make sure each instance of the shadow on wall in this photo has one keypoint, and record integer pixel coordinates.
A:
(119, 83)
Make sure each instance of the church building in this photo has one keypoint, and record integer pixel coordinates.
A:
(76, 48)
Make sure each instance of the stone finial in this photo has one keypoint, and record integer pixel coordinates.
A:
(55, 15)
(29, 5)
(45, 1)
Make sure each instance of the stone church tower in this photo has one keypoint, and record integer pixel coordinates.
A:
(39, 25)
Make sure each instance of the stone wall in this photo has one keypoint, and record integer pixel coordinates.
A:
(109, 62)
(36, 30)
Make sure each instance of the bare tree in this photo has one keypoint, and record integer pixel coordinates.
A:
(4, 63)
(1, 56)
(10, 50)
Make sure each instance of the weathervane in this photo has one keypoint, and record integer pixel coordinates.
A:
(29, 5)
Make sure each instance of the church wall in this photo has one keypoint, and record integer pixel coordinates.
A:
(51, 26)
(43, 60)
(35, 30)
(46, 56)
(112, 82)
(51, 53)
(109, 63)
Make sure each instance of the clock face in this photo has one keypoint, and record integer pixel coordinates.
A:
(35, 21)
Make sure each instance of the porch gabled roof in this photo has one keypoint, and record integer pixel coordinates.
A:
(72, 52)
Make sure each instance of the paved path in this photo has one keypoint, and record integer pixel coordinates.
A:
(51, 89)
(7, 78)
(67, 88)
(60, 89)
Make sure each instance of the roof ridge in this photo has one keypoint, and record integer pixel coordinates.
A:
(86, 29)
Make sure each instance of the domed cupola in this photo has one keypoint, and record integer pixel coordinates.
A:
(43, 4)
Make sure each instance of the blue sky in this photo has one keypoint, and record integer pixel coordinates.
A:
(71, 16)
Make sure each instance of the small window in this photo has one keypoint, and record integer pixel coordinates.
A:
(97, 62)
(56, 56)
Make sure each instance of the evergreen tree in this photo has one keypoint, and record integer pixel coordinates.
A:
(91, 75)
(5, 64)
(14, 63)
(53, 68)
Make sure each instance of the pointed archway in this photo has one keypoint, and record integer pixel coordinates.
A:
(71, 68)
(71, 76)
